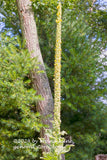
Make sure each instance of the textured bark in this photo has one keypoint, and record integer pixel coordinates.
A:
(40, 81)
(101, 157)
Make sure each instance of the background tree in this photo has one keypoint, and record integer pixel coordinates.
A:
(40, 81)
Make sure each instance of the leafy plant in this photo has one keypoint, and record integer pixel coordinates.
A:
(18, 119)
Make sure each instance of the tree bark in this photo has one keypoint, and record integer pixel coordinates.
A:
(101, 157)
(40, 81)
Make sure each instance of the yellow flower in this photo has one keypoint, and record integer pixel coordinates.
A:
(57, 74)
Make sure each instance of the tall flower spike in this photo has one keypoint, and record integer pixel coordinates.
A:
(57, 75)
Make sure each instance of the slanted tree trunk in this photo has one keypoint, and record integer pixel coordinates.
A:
(40, 81)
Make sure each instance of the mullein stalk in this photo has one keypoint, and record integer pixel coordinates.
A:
(57, 73)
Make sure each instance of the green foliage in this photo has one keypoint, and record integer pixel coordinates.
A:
(18, 120)
(83, 114)
(9, 16)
